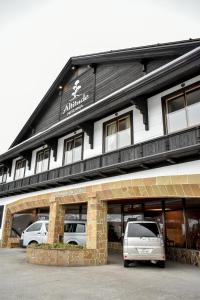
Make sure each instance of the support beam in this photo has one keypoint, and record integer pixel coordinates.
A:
(8, 165)
(141, 104)
(53, 145)
(28, 156)
(88, 127)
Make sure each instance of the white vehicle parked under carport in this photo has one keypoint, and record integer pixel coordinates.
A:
(74, 233)
(143, 241)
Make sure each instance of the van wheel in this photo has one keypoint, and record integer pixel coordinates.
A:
(33, 243)
(72, 243)
(126, 263)
(161, 264)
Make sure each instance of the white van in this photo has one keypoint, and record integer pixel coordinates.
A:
(143, 241)
(74, 233)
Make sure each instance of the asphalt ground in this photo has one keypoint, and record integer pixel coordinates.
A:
(20, 280)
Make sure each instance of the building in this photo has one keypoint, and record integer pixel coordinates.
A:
(116, 135)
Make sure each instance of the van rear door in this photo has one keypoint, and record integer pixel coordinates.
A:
(142, 237)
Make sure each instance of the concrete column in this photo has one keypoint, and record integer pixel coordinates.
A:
(97, 228)
(6, 228)
(56, 223)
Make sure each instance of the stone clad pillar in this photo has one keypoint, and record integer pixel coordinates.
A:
(6, 228)
(97, 229)
(56, 222)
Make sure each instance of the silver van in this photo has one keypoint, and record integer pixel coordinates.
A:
(74, 233)
(143, 241)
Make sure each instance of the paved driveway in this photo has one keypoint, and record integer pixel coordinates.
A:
(19, 280)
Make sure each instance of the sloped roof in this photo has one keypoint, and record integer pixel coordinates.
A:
(137, 53)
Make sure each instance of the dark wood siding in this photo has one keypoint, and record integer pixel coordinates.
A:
(49, 116)
(112, 77)
(53, 112)
(155, 64)
(108, 78)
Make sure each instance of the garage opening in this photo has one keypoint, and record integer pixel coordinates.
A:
(179, 220)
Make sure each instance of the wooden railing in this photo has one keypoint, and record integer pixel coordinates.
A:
(165, 148)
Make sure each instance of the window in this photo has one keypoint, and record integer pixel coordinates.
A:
(143, 230)
(3, 175)
(20, 168)
(117, 133)
(73, 150)
(183, 109)
(35, 227)
(193, 220)
(175, 224)
(42, 161)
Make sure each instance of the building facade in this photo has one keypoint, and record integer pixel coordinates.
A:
(116, 135)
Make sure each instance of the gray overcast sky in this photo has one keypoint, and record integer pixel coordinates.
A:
(37, 37)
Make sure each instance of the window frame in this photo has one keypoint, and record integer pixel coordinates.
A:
(81, 134)
(117, 118)
(37, 154)
(180, 92)
(5, 173)
(17, 161)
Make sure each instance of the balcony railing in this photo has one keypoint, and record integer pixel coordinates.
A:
(164, 150)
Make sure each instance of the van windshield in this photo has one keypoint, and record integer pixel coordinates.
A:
(143, 230)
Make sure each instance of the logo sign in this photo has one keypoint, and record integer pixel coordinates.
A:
(77, 101)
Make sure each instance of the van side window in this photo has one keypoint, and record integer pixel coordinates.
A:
(75, 227)
(34, 227)
(47, 226)
(80, 228)
(70, 227)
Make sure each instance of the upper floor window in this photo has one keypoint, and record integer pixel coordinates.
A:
(183, 108)
(73, 149)
(20, 169)
(42, 161)
(117, 133)
(3, 175)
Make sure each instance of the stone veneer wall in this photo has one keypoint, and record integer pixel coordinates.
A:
(55, 257)
(186, 256)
